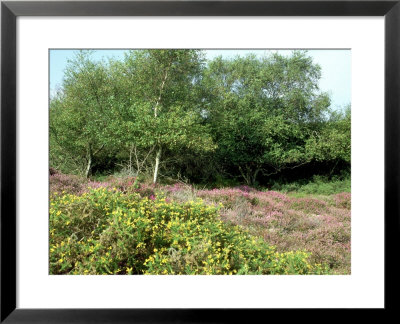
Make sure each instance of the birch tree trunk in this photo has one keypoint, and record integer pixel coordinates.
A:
(158, 157)
(89, 161)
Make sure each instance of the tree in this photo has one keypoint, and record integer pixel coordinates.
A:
(262, 111)
(333, 141)
(163, 113)
(79, 114)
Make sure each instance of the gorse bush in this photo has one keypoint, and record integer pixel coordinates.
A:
(290, 222)
(106, 231)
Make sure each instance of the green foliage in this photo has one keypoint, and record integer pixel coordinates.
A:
(262, 111)
(79, 117)
(221, 182)
(170, 112)
(109, 232)
(140, 106)
(333, 141)
(318, 186)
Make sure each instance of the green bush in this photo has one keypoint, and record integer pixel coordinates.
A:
(318, 186)
(110, 232)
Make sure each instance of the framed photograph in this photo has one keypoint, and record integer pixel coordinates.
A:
(192, 161)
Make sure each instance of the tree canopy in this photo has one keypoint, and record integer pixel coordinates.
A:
(172, 111)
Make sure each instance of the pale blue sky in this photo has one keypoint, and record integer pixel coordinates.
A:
(335, 68)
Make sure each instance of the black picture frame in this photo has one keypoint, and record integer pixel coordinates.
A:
(10, 10)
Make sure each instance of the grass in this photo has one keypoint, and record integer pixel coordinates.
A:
(318, 186)
(309, 221)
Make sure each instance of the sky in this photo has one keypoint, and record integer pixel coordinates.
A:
(335, 68)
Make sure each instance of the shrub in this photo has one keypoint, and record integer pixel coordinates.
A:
(318, 186)
(107, 231)
(318, 225)
(60, 183)
(343, 200)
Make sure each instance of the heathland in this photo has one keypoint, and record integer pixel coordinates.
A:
(166, 163)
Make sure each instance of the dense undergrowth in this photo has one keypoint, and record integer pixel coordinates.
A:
(317, 186)
(120, 226)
